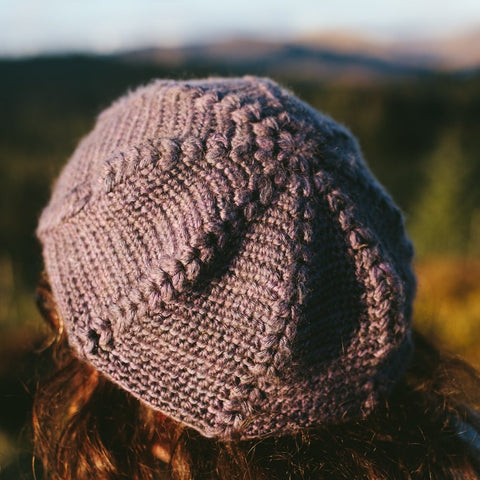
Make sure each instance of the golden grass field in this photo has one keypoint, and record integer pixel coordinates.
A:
(447, 307)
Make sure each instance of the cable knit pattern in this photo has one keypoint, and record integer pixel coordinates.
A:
(220, 250)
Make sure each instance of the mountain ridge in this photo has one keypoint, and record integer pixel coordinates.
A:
(339, 56)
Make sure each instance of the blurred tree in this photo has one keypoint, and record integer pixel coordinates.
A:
(440, 222)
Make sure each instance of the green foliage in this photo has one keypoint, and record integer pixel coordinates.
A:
(49, 103)
(440, 220)
(403, 127)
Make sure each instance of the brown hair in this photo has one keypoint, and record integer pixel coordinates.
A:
(86, 427)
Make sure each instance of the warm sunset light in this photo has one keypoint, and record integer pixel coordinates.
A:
(217, 249)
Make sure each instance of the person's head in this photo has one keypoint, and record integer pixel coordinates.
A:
(236, 290)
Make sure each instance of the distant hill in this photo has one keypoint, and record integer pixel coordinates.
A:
(287, 60)
(452, 52)
(343, 57)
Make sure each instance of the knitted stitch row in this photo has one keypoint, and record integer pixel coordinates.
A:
(220, 250)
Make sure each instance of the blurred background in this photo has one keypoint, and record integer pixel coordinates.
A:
(403, 75)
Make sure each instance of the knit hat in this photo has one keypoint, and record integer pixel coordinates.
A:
(220, 250)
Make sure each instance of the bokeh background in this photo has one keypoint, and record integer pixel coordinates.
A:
(403, 75)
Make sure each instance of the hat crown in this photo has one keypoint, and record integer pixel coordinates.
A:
(220, 249)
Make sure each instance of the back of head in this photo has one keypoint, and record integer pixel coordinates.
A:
(219, 250)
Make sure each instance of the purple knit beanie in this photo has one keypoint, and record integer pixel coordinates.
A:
(220, 250)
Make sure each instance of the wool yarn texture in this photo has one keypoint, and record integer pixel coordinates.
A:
(219, 249)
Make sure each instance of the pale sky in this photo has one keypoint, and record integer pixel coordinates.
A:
(29, 27)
